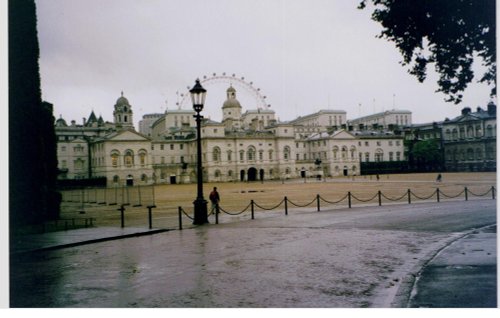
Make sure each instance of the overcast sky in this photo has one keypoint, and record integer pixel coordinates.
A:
(303, 55)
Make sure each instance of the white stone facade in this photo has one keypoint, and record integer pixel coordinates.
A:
(245, 146)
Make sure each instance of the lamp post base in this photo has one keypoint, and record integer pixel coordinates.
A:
(200, 212)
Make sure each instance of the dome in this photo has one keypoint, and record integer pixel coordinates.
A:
(61, 122)
(122, 101)
(231, 103)
(231, 100)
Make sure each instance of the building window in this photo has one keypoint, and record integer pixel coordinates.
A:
(216, 154)
(479, 154)
(344, 152)
(142, 158)
(251, 154)
(391, 156)
(286, 153)
(462, 132)
(242, 155)
(470, 154)
(128, 158)
(79, 164)
(379, 155)
(367, 143)
(367, 156)
(229, 155)
(78, 148)
(171, 147)
(161, 147)
(353, 151)
(114, 158)
(448, 134)
(398, 156)
(489, 131)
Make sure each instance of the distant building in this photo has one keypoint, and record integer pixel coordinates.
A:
(146, 122)
(244, 146)
(389, 119)
(470, 140)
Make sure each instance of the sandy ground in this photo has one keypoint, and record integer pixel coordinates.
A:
(236, 197)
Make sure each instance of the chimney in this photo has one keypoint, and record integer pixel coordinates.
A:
(492, 108)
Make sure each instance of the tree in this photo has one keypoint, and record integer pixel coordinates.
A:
(427, 155)
(450, 34)
(32, 146)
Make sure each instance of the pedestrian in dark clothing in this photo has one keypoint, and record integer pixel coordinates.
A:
(214, 198)
(439, 177)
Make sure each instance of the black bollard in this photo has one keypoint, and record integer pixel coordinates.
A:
(150, 215)
(122, 215)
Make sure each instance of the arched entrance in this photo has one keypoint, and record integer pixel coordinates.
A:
(252, 174)
(130, 180)
(242, 175)
(261, 174)
(346, 170)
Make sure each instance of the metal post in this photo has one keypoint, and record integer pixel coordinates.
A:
(150, 216)
(466, 196)
(493, 192)
(200, 204)
(180, 218)
(437, 192)
(409, 196)
(317, 202)
(122, 215)
(251, 203)
(349, 198)
(379, 198)
(217, 213)
(286, 206)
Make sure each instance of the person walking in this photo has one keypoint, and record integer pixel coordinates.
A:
(214, 198)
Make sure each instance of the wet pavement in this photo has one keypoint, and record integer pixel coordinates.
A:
(352, 258)
(462, 275)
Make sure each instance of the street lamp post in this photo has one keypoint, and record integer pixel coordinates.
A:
(198, 94)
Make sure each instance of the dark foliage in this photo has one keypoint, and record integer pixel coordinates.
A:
(448, 33)
(32, 152)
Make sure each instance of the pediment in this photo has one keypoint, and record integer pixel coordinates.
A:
(342, 134)
(127, 135)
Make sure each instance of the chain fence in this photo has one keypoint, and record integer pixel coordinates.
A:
(130, 206)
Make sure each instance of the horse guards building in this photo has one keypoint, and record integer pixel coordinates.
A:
(255, 146)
